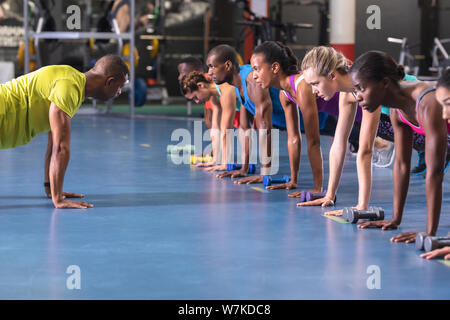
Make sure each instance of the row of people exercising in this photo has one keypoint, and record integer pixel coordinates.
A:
(270, 89)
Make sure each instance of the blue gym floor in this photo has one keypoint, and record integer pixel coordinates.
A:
(165, 231)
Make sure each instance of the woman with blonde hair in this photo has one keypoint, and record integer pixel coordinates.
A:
(327, 71)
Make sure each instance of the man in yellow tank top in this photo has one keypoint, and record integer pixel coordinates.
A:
(45, 101)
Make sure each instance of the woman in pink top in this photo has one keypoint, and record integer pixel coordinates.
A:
(443, 96)
(414, 107)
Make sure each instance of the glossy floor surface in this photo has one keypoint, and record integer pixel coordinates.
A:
(165, 231)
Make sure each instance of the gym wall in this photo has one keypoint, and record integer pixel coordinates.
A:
(399, 18)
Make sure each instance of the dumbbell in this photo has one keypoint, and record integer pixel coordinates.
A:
(353, 215)
(433, 243)
(420, 240)
(310, 196)
(176, 148)
(195, 160)
(269, 180)
(422, 236)
(234, 166)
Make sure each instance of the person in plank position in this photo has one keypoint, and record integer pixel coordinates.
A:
(45, 101)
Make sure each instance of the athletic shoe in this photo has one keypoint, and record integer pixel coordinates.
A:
(420, 167)
(353, 147)
(447, 162)
(384, 157)
(375, 155)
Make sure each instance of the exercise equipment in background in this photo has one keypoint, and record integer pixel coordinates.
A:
(21, 55)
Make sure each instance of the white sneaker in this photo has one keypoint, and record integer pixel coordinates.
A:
(384, 157)
(375, 156)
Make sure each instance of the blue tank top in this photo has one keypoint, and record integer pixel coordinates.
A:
(278, 119)
(238, 103)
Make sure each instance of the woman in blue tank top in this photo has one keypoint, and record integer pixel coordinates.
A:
(264, 104)
(275, 65)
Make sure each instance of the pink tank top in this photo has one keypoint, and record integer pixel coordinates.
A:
(419, 129)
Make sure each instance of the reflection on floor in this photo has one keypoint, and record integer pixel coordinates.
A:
(165, 231)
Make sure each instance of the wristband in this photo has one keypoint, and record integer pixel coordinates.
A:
(47, 184)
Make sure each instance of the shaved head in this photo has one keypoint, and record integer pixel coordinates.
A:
(111, 65)
(224, 53)
(106, 79)
(187, 65)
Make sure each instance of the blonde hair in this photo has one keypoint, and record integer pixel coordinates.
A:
(324, 60)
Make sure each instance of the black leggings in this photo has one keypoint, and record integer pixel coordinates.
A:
(330, 129)
(386, 131)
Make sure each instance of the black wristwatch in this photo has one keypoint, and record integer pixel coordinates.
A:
(47, 184)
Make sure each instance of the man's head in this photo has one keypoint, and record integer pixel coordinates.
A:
(222, 62)
(187, 65)
(110, 73)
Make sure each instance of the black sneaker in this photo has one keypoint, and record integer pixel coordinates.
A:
(420, 167)
(353, 147)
